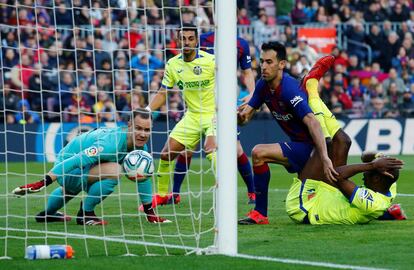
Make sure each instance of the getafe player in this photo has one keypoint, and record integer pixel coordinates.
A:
(243, 164)
(193, 71)
(316, 202)
(288, 104)
(91, 162)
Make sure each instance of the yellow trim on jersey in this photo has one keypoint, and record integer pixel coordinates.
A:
(196, 80)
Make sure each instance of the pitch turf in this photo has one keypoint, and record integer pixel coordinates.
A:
(377, 244)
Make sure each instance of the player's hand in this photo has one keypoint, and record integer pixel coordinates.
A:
(383, 165)
(246, 99)
(328, 170)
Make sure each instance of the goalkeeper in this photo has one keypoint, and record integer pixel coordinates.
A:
(316, 202)
(193, 71)
(91, 163)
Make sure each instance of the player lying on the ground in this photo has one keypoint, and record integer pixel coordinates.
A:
(91, 163)
(343, 202)
(243, 164)
(288, 104)
(193, 71)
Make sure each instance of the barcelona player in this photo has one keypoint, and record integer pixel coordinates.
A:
(288, 104)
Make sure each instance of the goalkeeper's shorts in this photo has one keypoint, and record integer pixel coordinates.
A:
(192, 127)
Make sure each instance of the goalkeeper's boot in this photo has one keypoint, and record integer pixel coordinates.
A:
(153, 218)
(42, 217)
(89, 218)
(397, 212)
(319, 68)
(174, 198)
(252, 198)
(253, 218)
(29, 188)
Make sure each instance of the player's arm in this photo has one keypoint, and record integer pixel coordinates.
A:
(382, 165)
(167, 83)
(246, 111)
(158, 100)
(249, 82)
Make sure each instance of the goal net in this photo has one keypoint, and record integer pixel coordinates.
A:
(72, 66)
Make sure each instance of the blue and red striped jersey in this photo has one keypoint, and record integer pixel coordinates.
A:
(243, 51)
(288, 105)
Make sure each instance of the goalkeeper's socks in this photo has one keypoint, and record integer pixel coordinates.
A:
(261, 185)
(245, 170)
(164, 171)
(181, 167)
(145, 191)
(97, 192)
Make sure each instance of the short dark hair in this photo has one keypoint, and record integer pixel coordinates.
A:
(142, 113)
(278, 47)
(189, 27)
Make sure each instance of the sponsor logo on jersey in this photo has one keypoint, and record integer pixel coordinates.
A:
(282, 117)
(197, 70)
(295, 101)
(194, 84)
(248, 59)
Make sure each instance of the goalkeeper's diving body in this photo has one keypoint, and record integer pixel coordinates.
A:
(343, 202)
(91, 163)
(193, 71)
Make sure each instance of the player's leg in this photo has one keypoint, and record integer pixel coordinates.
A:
(245, 170)
(341, 143)
(56, 200)
(171, 150)
(70, 185)
(292, 155)
(101, 181)
(262, 154)
(182, 165)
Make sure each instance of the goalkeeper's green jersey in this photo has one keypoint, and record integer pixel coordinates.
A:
(325, 204)
(195, 79)
(93, 147)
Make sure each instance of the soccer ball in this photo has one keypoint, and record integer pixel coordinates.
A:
(138, 165)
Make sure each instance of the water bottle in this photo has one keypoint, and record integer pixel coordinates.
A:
(49, 252)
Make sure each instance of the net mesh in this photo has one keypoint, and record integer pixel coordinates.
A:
(71, 66)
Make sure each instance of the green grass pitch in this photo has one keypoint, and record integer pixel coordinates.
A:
(377, 244)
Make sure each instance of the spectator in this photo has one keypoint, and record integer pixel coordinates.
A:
(356, 91)
(389, 50)
(146, 64)
(306, 50)
(377, 109)
(375, 39)
(63, 15)
(393, 78)
(356, 38)
(25, 115)
(242, 18)
(406, 107)
(21, 73)
(342, 96)
(298, 13)
(399, 14)
(374, 13)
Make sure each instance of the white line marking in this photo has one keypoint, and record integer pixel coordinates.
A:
(292, 261)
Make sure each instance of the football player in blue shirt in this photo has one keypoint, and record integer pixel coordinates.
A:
(288, 103)
(91, 163)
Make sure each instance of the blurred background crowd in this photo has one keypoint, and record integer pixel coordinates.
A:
(86, 61)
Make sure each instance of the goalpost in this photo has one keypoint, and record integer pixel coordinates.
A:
(206, 220)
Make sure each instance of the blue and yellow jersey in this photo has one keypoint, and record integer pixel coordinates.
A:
(93, 147)
(325, 204)
(196, 80)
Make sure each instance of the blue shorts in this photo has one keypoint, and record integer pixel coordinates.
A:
(238, 133)
(75, 181)
(297, 154)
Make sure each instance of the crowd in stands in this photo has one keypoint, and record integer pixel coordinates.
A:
(69, 61)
